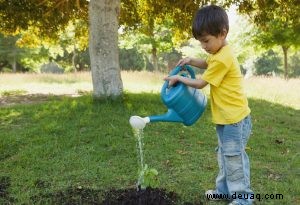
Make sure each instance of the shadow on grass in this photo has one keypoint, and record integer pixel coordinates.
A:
(69, 141)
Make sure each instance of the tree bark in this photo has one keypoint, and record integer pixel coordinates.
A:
(286, 73)
(154, 58)
(74, 59)
(14, 61)
(103, 48)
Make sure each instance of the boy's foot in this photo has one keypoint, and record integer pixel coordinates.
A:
(213, 195)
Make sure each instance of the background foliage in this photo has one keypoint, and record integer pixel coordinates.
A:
(152, 36)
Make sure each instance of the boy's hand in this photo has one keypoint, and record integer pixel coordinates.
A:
(197, 62)
(172, 79)
(184, 61)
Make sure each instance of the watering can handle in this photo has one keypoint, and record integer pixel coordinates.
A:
(175, 71)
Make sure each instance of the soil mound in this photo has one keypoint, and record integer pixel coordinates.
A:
(148, 196)
(85, 196)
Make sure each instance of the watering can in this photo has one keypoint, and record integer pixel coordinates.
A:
(185, 104)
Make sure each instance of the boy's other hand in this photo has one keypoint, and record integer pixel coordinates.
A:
(172, 79)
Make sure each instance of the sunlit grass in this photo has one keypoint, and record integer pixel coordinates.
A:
(272, 89)
(31, 83)
(275, 90)
(143, 81)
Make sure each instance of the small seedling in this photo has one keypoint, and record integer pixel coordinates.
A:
(148, 177)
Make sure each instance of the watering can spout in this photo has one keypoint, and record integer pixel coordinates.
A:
(138, 122)
(170, 116)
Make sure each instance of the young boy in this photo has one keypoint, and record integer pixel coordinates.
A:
(229, 106)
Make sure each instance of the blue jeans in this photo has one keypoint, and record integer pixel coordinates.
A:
(234, 168)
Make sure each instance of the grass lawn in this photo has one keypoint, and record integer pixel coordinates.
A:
(66, 144)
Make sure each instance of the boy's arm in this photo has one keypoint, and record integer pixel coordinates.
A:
(195, 83)
(197, 62)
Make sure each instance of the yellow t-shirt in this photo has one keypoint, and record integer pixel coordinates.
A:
(228, 101)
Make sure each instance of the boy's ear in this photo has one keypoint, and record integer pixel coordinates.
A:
(224, 32)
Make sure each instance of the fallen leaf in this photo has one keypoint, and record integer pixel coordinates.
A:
(248, 148)
(200, 142)
(182, 152)
(274, 177)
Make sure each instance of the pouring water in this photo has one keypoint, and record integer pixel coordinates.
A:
(138, 133)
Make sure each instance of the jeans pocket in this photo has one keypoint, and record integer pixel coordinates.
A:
(234, 166)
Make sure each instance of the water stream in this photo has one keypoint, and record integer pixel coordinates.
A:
(138, 133)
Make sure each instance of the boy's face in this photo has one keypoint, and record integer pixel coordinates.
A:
(212, 44)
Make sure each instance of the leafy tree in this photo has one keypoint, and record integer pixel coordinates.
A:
(74, 40)
(56, 26)
(66, 47)
(51, 16)
(144, 44)
(165, 21)
(11, 54)
(277, 23)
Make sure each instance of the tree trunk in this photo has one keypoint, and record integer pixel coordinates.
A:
(154, 58)
(103, 48)
(286, 73)
(74, 59)
(14, 65)
(14, 61)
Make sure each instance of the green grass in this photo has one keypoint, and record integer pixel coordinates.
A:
(77, 142)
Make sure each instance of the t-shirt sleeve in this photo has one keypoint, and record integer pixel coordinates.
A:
(215, 73)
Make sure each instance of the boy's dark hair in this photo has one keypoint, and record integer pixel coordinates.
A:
(210, 20)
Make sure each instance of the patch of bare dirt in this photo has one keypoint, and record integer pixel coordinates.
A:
(29, 99)
(87, 196)
(80, 195)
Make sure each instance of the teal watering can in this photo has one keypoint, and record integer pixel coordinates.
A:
(185, 104)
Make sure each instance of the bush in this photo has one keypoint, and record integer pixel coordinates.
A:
(267, 64)
(295, 65)
(131, 59)
(51, 67)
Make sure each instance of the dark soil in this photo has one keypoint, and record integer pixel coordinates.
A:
(86, 196)
(142, 197)
(79, 195)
